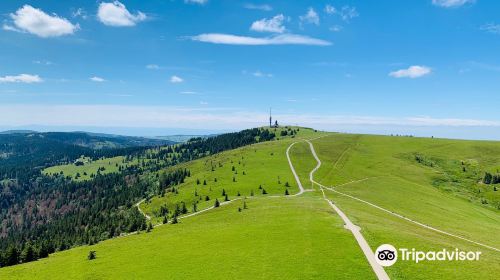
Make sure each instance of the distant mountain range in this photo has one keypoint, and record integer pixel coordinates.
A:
(88, 139)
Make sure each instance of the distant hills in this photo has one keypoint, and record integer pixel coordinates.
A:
(88, 139)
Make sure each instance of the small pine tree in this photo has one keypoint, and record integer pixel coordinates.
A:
(174, 220)
(223, 192)
(239, 209)
(150, 227)
(195, 207)
(234, 179)
(238, 194)
(260, 187)
(264, 191)
(217, 203)
(91, 255)
(245, 205)
(287, 184)
(204, 182)
(165, 220)
(215, 180)
(286, 192)
(226, 198)
(197, 181)
(207, 198)
(251, 193)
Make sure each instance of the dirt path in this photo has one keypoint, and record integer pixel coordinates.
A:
(356, 231)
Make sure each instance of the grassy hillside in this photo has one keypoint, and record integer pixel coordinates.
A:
(255, 170)
(276, 237)
(434, 181)
(438, 195)
(83, 172)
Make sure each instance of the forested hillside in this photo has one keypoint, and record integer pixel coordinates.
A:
(42, 213)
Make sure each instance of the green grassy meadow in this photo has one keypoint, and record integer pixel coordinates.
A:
(434, 181)
(275, 238)
(253, 169)
(89, 167)
(397, 183)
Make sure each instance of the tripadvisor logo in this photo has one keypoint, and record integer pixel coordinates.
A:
(387, 255)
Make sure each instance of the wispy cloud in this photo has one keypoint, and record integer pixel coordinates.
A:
(189, 93)
(204, 117)
(199, 2)
(283, 39)
(412, 72)
(452, 3)
(176, 79)
(152, 67)
(116, 14)
(274, 24)
(491, 28)
(97, 79)
(260, 74)
(35, 21)
(346, 13)
(262, 7)
(310, 17)
(22, 78)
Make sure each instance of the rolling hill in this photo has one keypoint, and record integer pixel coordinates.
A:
(410, 192)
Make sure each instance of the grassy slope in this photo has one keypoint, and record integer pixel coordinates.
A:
(275, 238)
(110, 165)
(407, 188)
(264, 164)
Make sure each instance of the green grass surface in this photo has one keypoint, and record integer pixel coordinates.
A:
(420, 192)
(275, 238)
(260, 165)
(301, 237)
(111, 165)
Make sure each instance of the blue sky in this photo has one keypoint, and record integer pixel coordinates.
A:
(426, 67)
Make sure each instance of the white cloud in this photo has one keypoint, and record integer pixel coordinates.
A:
(310, 17)
(452, 3)
(203, 103)
(43, 62)
(189, 93)
(491, 28)
(80, 12)
(283, 39)
(152, 67)
(347, 13)
(411, 72)
(205, 117)
(22, 78)
(37, 22)
(274, 24)
(259, 74)
(200, 2)
(263, 7)
(329, 9)
(116, 14)
(97, 79)
(335, 28)
(176, 79)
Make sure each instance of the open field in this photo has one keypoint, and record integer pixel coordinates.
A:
(89, 167)
(389, 180)
(301, 237)
(261, 169)
(275, 238)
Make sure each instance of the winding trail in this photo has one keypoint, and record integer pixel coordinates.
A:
(391, 212)
(410, 220)
(356, 231)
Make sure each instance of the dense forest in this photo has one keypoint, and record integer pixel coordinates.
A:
(42, 214)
